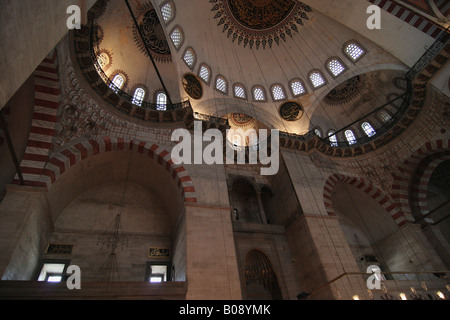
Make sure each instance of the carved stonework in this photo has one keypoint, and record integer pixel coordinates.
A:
(81, 116)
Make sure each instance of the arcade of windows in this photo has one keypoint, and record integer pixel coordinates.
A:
(335, 66)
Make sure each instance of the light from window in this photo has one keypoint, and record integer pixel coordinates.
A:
(335, 67)
(350, 136)
(297, 88)
(102, 60)
(239, 91)
(221, 85)
(333, 139)
(167, 12)
(316, 79)
(158, 273)
(368, 129)
(138, 97)
(177, 38)
(384, 115)
(51, 272)
(204, 73)
(117, 83)
(189, 58)
(354, 51)
(258, 94)
(161, 101)
(318, 132)
(278, 93)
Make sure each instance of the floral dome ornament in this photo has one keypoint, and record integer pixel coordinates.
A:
(258, 23)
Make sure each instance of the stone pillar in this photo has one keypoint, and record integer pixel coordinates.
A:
(24, 230)
(211, 263)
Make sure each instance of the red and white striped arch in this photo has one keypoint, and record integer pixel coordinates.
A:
(374, 192)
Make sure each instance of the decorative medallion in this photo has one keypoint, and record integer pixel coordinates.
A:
(158, 253)
(259, 22)
(192, 86)
(291, 111)
(153, 34)
(241, 119)
(346, 91)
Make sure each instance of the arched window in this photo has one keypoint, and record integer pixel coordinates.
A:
(258, 94)
(167, 12)
(103, 60)
(384, 115)
(332, 138)
(297, 88)
(239, 91)
(221, 84)
(117, 83)
(278, 92)
(335, 67)
(177, 37)
(318, 132)
(368, 129)
(350, 136)
(205, 73)
(353, 51)
(138, 97)
(189, 58)
(161, 101)
(317, 79)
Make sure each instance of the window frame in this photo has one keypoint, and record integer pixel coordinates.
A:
(157, 94)
(359, 45)
(263, 90)
(173, 8)
(352, 141)
(221, 77)
(339, 60)
(115, 88)
(204, 65)
(305, 90)
(283, 91)
(325, 81)
(151, 263)
(43, 262)
(373, 133)
(143, 96)
(180, 45)
(194, 58)
(236, 85)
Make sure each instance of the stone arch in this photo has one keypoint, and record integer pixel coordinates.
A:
(63, 160)
(374, 192)
(405, 172)
(421, 179)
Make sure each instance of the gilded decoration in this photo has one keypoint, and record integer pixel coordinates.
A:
(260, 23)
(159, 253)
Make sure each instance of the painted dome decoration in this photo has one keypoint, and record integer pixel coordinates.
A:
(260, 23)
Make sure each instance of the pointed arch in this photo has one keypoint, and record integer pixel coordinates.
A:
(374, 192)
(63, 160)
